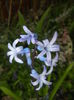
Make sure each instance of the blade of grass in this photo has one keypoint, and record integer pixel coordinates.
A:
(21, 19)
(59, 83)
(9, 93)
(41, 21)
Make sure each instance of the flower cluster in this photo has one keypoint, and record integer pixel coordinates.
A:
(46, 49)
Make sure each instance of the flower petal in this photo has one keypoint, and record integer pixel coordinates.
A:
(34, 74)
(41, 54)
(40, 85)
(54, 38)
(19, 49)
(9, 53)
(46, 42)
(35, 83)
(39, 48)
(39, 44)
(33, 40)
(42, 58)
(28, 41)
(25, 50)
(54, 48)
(10, 47)
(48, 56)
(27, 30)
(50, 71)
(44, 70)
(11, 58)
(23, 38)
(18, 60)
(55, 60)
(27, 55)
(15, 42)
(29, 61)
(46, 82)
(48, 63)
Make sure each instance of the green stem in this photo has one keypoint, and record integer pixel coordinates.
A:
(59, 83)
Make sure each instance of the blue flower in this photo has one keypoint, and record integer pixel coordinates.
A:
(47, 47)
(14, 51)
(18, 51)
(51, 63)
(40, 78)
(30, 37)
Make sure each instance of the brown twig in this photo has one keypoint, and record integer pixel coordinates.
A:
(10, 11)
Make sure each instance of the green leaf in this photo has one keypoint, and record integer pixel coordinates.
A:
(21, 19)
(41, 21)
(59, 83)
(9, 93)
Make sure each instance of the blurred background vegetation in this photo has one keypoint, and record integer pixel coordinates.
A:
(43, 17)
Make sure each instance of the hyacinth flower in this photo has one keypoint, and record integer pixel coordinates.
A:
(51, 63)
(40, 78)
(47, 47)
(30, 37)
(18, 51)
(26, 51)
(14, 51)
(48, 63)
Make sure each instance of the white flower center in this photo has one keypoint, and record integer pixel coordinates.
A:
(14, 52)
(42, 77)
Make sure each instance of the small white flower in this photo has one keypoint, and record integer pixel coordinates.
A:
(30, 37)
(47, 47)
(53, 63)
(40, 78)
(14, 51)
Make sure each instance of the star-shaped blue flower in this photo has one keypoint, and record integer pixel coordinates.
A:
(40, 78)
(47, 48)
(30, 37)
